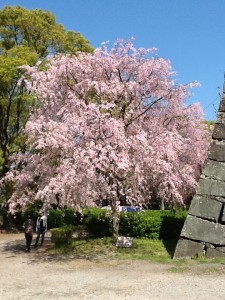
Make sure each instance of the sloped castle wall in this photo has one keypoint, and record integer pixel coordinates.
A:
(204, 229)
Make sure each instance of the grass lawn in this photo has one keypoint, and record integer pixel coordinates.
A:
(157, 251)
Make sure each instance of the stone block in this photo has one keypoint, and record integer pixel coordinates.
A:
(220, 199)
(208, 245)
(217, 151)
(223, 215)
(214, 169)
(222, 104)
(187, 248)
(219, 131)
(202, 230)
(220, 118)
(221, 249)
(204, 207)
(211, 253)
(211, 187)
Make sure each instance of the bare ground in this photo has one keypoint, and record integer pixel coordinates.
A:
(38, 275)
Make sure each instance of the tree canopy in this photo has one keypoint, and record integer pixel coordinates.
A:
(26, 36)
(108, 125)
(39, 31)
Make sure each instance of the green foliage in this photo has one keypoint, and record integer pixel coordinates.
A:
(61, 217)
(152, 224)
(38, 30)
(98, 222)
(105, 248)
(172, 225)
(5, 192)
(62, 236)
(32, 211)
(55, 218)
(69, 217)
(17, 219)
(15, 222)
(209, 123)
(3, 217)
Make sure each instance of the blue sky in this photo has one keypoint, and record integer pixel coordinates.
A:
(190, 33)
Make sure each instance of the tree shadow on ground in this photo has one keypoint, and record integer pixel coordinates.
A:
(37, 255)
(17, 247)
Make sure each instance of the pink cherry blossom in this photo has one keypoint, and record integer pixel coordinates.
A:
(108, 125)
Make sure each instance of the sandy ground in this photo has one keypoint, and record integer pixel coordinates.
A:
(37, 275)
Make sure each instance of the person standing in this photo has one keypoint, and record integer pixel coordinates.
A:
(41, 228)
(28, 231)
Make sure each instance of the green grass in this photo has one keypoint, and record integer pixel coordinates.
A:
(156, 251)
(143, 249)
(105, 248)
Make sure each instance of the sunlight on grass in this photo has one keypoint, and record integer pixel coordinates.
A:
(153, 250)
(157, 251)
(105, 248)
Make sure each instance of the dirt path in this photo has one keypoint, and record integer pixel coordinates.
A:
(37, 275)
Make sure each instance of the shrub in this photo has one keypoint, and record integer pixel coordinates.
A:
(17, 219)
(55, 218)
(62, 236)
(31, 211)
(172, 225)
(71, 217)
(152, 224)
(98, 222)
(3, 218)
(11, 222)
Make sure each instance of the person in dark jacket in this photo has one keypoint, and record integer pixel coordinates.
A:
(28, 231)
(41, 228)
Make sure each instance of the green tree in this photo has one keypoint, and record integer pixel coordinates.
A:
(26, 36)
(39, 31)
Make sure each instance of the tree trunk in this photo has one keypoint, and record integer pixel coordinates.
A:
(5, 156)
(115, 220)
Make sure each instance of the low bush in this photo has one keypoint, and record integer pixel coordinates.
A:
(72, 216)
(98, 222)
(152, 224)
(69, 217)
(55, 218)
(62, 236)
(172, 225)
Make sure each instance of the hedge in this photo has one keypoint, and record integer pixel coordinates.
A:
(151, 224)
(98, 222)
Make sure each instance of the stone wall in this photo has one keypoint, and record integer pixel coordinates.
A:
(204, 229)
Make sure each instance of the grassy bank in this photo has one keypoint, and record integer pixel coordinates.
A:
(155, 251)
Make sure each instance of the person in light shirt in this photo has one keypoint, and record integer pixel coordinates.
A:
(41, 228)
